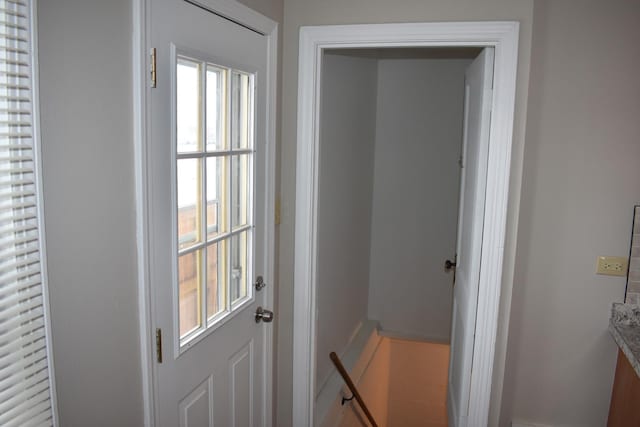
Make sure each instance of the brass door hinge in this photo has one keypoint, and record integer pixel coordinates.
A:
(159, 345)
(152, 53)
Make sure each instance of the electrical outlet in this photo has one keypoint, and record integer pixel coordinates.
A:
(612, 265)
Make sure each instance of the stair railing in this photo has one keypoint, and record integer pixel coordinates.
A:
(352, 387)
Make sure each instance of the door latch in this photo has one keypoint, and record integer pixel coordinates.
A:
(159, 345)
(449, 265)
(263, 315)
(259, 283)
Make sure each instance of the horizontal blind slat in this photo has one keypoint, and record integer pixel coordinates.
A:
(34, 385)
(10, 205)
(38, 407)
(20, 181)
(19, 227)
(21, 242)
(31, 317)
(12, 12)
(44, 419)
(15, 2)
(10, 288)
(19, 297)
(23, 121)
(22, 314)
(29, 320)
(15, 135)
(9, 36)
(34, 410)
(20, 262)
(35, 330)
(19, 251)
(17, 275)
(13, 25)
(17, 241)
(25, 401)
(13, 380)
(24, 357)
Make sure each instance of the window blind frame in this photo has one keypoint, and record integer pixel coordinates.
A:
(39, 200)
(37, 153)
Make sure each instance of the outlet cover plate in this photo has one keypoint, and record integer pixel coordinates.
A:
(612, 265)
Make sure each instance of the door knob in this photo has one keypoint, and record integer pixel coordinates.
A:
(449, 265)
(264, 315)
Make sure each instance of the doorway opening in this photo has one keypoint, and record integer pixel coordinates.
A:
(392, 125)
(380, 132)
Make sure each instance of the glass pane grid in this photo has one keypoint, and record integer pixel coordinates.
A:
(214, 152)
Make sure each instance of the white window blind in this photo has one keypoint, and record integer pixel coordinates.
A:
(26, 386)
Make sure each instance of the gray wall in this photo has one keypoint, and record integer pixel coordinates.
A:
(86, 106)
(312, 12)
(581, 179)
(347, 136)
(415, 194)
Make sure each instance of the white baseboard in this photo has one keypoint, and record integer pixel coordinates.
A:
(527, 424)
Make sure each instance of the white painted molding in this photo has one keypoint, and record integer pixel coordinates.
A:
(253, 20)
(526, 424)
(140, 92)
(271, 32)
(495, 221)
(240, 14)
(37, 159)
(503, 36)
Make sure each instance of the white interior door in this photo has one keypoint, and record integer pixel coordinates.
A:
(207, 164)
(478, 98)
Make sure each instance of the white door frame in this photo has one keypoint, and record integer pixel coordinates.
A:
(251, 19)
(503, 36)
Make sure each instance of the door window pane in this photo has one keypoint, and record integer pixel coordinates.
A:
(242, 110)
(240, 192)
(189, 214)
(188, 108)
(216, 196)
(216, 279)
(216, 117)
(239, 266)
(189, 292)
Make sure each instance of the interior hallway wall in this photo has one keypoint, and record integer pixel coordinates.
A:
(311, 12)
(347, 135)
(581, 180)
(419, 123)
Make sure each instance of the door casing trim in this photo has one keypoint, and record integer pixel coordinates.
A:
(503, 36)
(255, 21)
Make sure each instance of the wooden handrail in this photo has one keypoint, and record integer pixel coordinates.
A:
(347, 379)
